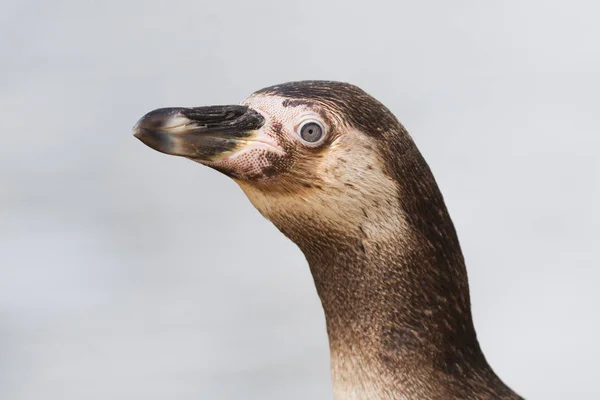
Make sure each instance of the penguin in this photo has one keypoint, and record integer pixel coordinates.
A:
(336, 172)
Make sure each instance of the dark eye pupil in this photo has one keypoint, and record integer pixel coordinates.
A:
(311, 132)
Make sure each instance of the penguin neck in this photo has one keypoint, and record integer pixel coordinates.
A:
(393, 317)
(397, 308)
(390, 274)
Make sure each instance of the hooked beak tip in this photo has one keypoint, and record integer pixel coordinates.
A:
(137, 131)
(167, 119)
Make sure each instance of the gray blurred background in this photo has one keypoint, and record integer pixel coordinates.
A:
(127, 274)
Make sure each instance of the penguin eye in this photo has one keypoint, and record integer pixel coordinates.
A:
(311, 132)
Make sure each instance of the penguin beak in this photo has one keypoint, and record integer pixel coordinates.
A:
(204, 134)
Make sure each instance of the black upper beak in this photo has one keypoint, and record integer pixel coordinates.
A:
(201, 133)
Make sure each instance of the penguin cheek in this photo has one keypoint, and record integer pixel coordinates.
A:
(253, 163)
